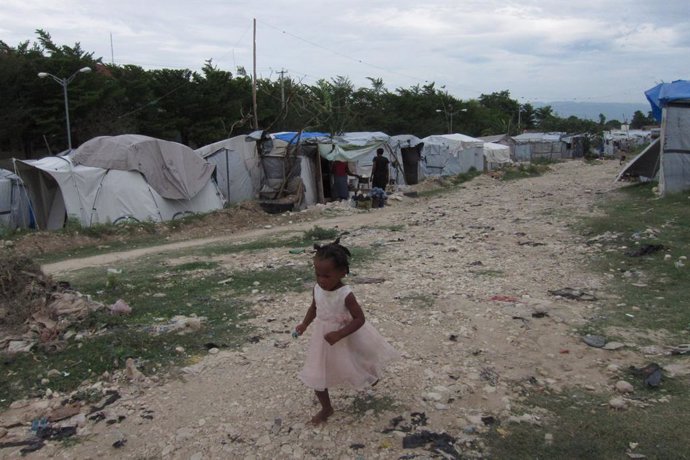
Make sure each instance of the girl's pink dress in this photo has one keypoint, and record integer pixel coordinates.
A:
(355, 361)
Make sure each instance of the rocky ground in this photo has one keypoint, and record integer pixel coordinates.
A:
(465, 299)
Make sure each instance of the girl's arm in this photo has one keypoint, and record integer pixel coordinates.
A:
(357, 321)
(308, 318)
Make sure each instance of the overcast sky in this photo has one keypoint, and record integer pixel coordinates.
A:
(540, 50)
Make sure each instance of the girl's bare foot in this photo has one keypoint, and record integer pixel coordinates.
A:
(322, 416)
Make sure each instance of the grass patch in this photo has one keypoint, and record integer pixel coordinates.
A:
(378, 404)
(488, 272)
(636, 217)
(317, 233)
(449, 183)
(465, 177)
(523, 171)
(584, 427)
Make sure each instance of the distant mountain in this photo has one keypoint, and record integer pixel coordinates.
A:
(620, 111)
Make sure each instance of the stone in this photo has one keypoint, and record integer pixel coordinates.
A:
(596, 341)
(548, 438)
(53, 373)
(431, 396)
(624, 387)
(617, 403)
(263, 441)
(184, 434)
(213, 351)
(612, 368)
(613, 346)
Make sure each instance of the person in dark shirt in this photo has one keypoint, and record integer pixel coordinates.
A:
(379, 170)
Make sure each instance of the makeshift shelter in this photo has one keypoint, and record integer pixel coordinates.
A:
(539, 146)
(645, 166)
(358, 149)
(290, 168)
(408, 150)
(15, 207)
(452, 154)
(110, 179)
(671, 160)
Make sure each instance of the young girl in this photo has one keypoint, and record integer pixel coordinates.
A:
(344, 350)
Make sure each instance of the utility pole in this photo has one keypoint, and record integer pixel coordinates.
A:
(256, 116)
(112, 51)
(282, 89)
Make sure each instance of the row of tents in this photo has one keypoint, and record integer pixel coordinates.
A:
(111, 179)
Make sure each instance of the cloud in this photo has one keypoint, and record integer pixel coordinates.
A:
(543, 49)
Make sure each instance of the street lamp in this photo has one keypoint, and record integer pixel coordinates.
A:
(449, 116)
(64, 82)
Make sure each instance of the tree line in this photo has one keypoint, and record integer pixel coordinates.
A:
(198, 108)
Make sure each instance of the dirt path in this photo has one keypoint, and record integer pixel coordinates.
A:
(343, 220)
(463, 279)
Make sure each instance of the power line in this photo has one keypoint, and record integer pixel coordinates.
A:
(338, 53)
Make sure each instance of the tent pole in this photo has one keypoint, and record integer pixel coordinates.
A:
(319, 178)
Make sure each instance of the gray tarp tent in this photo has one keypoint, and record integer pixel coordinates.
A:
(60, 188)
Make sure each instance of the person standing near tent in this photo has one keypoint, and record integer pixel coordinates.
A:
(379, 170)
(340, 171)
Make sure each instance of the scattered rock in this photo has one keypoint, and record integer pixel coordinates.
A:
(624, 387)
(617, 403)
(595, 341)
(613, 346)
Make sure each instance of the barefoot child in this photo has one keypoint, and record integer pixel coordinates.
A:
(343, 350)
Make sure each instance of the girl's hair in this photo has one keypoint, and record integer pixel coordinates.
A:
(335, 252)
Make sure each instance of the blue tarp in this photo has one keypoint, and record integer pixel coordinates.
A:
(293, 136)
(663, 93)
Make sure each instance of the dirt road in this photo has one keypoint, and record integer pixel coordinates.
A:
(465, 272)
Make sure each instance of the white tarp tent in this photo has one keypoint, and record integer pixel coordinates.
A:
(15, 207)
(238, 169)
(452, 154)
(496, 155)
(59, 189)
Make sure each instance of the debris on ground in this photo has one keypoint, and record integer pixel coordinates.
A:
(651, 373)
(573, 294)
(36, 311)
(440, 442)
(645, 250)
(179, 324)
